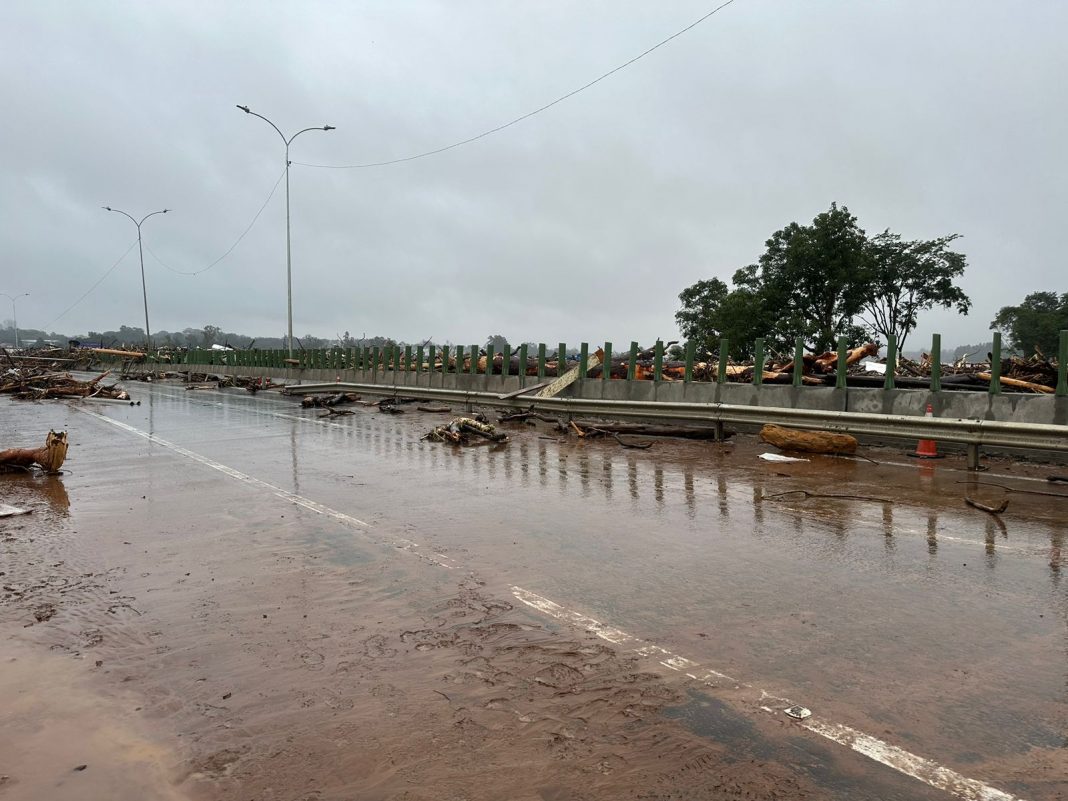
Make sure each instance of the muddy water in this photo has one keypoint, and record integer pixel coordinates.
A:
(280, 653)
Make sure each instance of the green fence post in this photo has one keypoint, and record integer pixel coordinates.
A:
(891, 361)
(374, 359)
(431, 358)
(606, 364)
(489, 359)
(632, 362)
(758, 361)
(724, 357)
(407, 358)
(584, 354)
(658, 360)
(995, 365)
(472, 367)
(691, 347)
(541, 361)
(841, 369)
(799, 361)
(506, 361)
(561, 359)
(523, 365)
(419, 359)
(1062, 365)
(936, 363)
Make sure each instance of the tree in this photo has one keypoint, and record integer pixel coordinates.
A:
(710, 312)
(208, 335)
(1036, 323)
(497, 342)
(905, 278)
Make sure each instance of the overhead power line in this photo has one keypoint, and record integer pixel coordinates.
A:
(529, 114)
(230, 250)
(100, 280)
(232, 247)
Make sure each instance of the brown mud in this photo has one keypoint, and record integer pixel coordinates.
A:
(185, 635)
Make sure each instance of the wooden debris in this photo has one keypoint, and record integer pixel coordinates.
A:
(791, 439)
(326, 401)
(1017, 383)
(994, 510)
(648, 430)
(30, 383)
(834, 496)
(460, 430)
(434, 409)
(50, 457)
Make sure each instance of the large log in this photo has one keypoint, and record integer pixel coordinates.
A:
(792, 439)
(1017, 383)
(50, 457)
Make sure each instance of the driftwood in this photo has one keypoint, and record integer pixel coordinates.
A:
(994, 510)
(1017, 383)
(460, 430)
(29, 383)
(809, 494)
(50, 457)
(129, 354)
(1015, 489)
(642, 429)
(434, 409)
(339, 399)
(790, 439)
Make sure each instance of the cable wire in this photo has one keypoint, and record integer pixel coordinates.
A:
(232, 247)
(100, 280)
(529, 114)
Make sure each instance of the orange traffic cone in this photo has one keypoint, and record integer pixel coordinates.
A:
(927, 448)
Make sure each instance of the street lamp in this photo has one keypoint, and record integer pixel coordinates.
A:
(289, 255)
(14, 317)
(140, 250)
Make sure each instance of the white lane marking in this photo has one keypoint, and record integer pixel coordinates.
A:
(297, 500)
(912, 765)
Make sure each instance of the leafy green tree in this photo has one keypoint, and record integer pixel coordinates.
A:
(904, 278)
(1036, 323)
(498, 342)
(710, 312)
(209, 335)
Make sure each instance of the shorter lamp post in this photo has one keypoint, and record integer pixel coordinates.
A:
(14, 316)
(141, 252)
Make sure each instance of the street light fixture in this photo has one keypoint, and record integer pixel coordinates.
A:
(14, 317)
(289, 254)
(141, 252)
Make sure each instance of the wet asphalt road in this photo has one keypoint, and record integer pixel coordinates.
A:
(901, 613)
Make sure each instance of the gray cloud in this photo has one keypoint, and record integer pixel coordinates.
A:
(582, 223)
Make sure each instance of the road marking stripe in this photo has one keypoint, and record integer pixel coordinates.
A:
(891, 756)
(278, 492)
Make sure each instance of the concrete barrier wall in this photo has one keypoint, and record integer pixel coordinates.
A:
(1011, 407)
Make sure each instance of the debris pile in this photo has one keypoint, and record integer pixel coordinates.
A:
(460, 431)
(50, 457)
(32, 383)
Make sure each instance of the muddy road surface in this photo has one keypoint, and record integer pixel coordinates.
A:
(229, 597)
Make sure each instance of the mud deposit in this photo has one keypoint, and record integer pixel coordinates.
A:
(184, 628)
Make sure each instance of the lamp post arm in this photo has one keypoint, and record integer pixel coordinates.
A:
(305, 130)
(153, 214)
(247, 110)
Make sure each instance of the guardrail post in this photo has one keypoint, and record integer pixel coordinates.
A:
(584, 353)
(541, 361)
(758, 361)
(606, 365)
(690, 348)
(632, 364)
(723, 357)
(1062, 365)
(936, 363)
(561, 359)
(658, 360)
(523, 365)
(995, 365)
(891, 361)
(841, 369)
(799, 361)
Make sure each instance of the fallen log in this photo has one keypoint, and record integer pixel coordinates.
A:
(129, 354)
(1017, 383)
(650, 430)
(791, 439)
(994, 510)
(50, 457)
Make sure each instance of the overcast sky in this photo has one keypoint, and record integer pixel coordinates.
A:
(583, 222)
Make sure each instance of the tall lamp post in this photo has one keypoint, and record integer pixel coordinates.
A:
(289, 253)
(141, 252)
(14, 317)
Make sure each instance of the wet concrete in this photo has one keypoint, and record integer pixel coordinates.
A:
(278, 650)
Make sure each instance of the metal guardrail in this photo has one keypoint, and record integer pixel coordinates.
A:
(973, 433)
